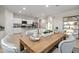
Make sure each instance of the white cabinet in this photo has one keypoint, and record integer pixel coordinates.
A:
(16, 25)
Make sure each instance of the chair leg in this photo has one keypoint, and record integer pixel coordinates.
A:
(21, 47)
(72, 52)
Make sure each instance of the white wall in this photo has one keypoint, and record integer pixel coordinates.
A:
(23, 16)
(17, 20)
(8, 21)
(58, 20)
(69, 13)
(2, 17)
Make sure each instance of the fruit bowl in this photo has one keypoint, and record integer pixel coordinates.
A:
(34, 38)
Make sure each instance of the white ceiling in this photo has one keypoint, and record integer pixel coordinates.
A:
(40, 10)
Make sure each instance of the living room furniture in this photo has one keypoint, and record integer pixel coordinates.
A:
(43, 45)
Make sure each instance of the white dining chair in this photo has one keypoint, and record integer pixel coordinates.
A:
(66, 46)
(9, 46)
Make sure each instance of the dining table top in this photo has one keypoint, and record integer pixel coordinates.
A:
(43, 44)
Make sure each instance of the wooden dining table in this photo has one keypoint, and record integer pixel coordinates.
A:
(44, 44)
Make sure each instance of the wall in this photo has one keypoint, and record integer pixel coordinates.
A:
(8, 21)
(29, 19)
(5, 19)
(58, 22)
(2, 17)
(23, 16)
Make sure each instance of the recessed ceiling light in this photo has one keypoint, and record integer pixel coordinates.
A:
(46, 5)
(24, 8)
(20, 11)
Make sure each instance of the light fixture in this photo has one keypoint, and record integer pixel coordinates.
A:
(57, 5)
(24, 8)
(47, 5)
(20, 11)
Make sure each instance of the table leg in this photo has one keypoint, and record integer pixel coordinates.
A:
(21, 47)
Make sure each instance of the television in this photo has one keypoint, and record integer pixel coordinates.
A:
(24, 22)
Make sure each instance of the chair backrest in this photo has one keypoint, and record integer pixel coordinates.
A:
(9, 45)
(2, 35)
(67, 45)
